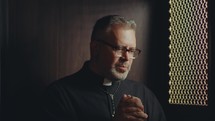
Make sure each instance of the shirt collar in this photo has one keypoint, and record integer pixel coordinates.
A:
(107, 82)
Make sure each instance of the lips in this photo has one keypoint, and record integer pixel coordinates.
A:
(122, 68)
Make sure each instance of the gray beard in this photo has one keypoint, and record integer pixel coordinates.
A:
(116, 76)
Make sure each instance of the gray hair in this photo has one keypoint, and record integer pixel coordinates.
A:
(105, 23)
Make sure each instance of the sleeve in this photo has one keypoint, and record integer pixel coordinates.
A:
(55, 106)
(153, 107)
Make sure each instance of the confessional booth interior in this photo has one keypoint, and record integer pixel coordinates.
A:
(44, 40)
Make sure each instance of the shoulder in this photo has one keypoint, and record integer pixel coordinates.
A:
(63, 84)
(69, 79)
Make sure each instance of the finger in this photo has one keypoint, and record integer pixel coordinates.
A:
(124, 97)
(130, 109)
(129, 96)
(140, 114)
(134, 118)
(134, 101)
(133, 111)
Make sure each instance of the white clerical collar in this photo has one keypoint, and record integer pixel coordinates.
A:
(107, 82)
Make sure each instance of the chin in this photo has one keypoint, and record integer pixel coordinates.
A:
(119, 76)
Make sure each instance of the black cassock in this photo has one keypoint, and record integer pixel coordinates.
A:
(83, 97)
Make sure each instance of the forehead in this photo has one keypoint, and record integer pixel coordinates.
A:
(122, 36)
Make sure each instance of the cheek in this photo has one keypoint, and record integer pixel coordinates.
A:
(110, 61)
(130, 63)
(107, 59)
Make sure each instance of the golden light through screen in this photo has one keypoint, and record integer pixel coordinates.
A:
(188, 84)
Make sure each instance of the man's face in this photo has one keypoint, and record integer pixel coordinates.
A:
(110, 65)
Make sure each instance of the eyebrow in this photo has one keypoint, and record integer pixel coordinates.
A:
(116, 46)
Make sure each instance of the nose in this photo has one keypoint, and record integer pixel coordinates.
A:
(125, 55)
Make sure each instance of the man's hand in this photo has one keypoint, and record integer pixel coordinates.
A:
(130, 108)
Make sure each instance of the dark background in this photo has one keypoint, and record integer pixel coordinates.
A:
(44, 40)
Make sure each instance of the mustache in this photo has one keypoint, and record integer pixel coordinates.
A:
(123, 64)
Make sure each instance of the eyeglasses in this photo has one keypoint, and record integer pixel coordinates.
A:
(120, 50)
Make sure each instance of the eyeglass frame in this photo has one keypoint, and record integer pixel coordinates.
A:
(122, 49)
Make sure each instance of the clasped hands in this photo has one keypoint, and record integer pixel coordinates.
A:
(130, 108)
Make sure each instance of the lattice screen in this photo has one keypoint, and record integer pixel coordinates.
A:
(188, 52)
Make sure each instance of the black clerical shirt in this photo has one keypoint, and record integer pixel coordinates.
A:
(83, 97)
